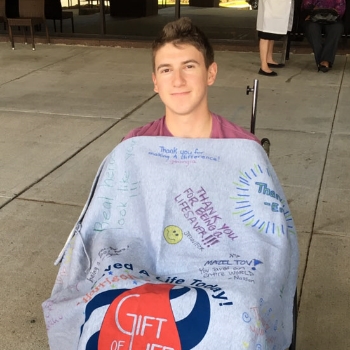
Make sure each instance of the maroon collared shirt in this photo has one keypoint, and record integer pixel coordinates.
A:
(221, 129)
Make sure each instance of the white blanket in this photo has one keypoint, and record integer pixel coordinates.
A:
(183, 244)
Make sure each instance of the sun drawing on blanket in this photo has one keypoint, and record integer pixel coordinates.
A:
(173, 234)
(256, 179)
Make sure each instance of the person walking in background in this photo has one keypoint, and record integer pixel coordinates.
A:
(332, 28)
(275, 19)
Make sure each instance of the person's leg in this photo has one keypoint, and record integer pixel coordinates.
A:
(264, 49)
(333, 33)
(269, 57)
(313, 33)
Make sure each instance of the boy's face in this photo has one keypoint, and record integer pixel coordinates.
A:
(181, 79)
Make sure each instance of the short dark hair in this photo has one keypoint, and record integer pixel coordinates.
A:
(180, 32)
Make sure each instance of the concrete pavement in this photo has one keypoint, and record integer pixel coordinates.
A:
(63, 108)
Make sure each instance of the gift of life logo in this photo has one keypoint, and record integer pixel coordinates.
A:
(256, 183)
(143, 318)
(132, 321)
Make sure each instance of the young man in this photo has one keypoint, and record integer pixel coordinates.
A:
(183, 68)
(132, 275)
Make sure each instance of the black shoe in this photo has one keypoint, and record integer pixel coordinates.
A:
(323, 68)
(271, 74)
(278, 65)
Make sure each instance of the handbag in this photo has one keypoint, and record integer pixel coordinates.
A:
(324, 16)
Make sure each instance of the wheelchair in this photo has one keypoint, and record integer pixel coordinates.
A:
(265, 143)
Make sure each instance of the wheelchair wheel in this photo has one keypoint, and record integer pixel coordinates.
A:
(265, 143)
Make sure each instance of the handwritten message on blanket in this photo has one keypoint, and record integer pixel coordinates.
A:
(183, 244)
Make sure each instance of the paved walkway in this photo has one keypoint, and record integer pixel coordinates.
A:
(63, 108)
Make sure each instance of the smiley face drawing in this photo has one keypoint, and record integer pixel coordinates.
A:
(173, 234)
